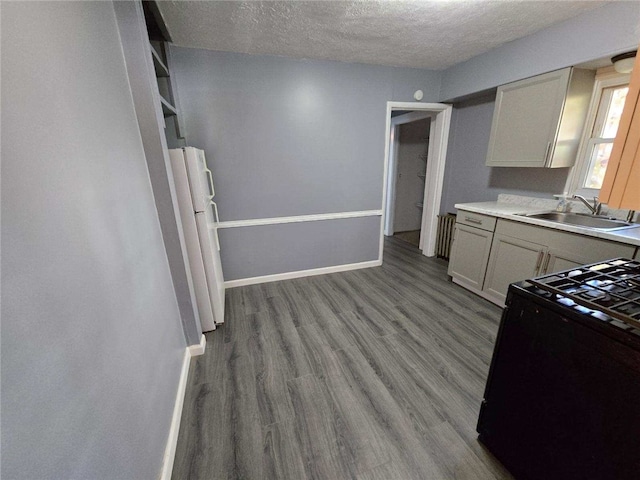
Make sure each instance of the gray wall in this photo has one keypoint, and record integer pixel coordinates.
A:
(289, 137)
(602, 32)
(92, 343)
(467, 179)
(289, 247)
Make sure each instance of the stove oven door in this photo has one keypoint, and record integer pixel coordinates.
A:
(561, 399)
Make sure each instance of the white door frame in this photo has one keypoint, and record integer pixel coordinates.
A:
(436, 157)
(393, 164)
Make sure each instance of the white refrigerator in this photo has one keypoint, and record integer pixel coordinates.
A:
(199, 216)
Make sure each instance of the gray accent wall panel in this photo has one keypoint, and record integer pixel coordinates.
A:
(289, 247)
(289, 137)
(92, 344)
(468, 179)
(602, 32)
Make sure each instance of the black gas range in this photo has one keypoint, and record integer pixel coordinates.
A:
(606, 290)
(561, 400)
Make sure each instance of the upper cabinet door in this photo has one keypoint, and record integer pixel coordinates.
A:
(538, 121)
(621, 186)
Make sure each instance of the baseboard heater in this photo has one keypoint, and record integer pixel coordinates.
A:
(444, 237)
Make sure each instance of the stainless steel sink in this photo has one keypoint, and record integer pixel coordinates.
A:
(583, 220)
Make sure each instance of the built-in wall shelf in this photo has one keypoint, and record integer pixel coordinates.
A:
(158, 64)
(158, 36)
(422, 176)
(167, 109)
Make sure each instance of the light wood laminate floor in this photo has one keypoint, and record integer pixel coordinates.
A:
(370, 374)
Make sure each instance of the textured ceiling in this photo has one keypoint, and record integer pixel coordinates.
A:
(422, 34)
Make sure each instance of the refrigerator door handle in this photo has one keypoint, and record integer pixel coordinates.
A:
(215, 227)
(210, 176)
(215, 209)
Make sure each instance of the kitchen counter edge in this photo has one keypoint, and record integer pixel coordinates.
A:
(513, 212)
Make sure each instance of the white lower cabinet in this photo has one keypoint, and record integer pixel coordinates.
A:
(470, 250)
(558, 260)
(469, 255)
(487, 262)
(511, 260)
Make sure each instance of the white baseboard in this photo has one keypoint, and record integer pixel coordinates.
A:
(172, 441)
(301, 273)
(195, 350)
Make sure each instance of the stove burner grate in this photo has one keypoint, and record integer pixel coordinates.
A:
(605, 290)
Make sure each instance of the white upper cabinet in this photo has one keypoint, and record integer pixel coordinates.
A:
(538, 121)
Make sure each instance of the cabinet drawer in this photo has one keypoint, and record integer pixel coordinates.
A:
(484, 222)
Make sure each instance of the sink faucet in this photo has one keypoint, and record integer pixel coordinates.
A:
(595, 208)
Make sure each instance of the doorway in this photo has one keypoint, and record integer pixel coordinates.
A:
(409, 149)
(415, 153)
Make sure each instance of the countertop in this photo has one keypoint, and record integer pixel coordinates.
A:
(510, 211)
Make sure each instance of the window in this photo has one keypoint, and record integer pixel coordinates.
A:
(609, 94)
(602, 135)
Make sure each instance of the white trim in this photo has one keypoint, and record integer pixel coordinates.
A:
(410, 117)
(172, 441)
(393, 163)
(435, 180)
(389, 204)
(298, 218)
(435, 170)
(196, 350)
(301, 273)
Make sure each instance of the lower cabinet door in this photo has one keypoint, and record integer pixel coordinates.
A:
(558, 260)
(583, 251)
(511, 260)
(469, 254)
